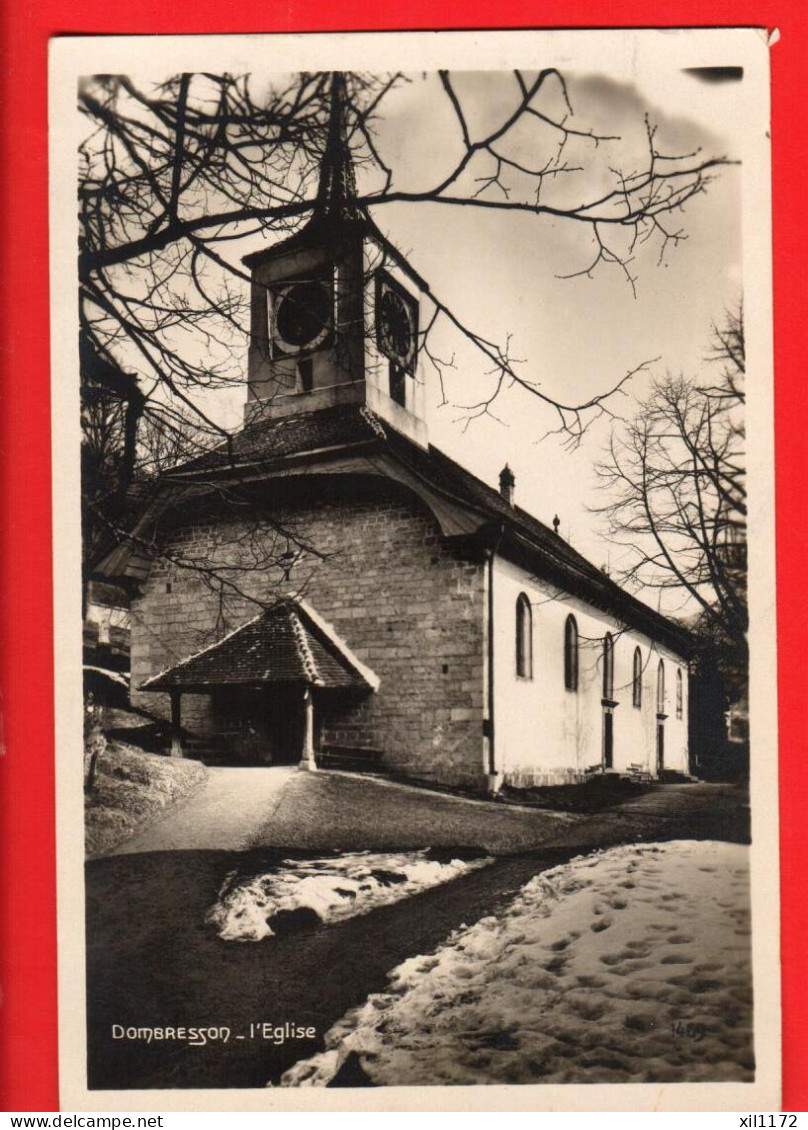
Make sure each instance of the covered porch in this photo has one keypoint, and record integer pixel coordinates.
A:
(269, 683)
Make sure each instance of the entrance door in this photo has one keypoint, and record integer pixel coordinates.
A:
(239, 726)
(258, 725)
(660, 746)
(608, 739)
(661, 716)
(285, 726)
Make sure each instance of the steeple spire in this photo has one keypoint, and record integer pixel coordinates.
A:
(336, 193)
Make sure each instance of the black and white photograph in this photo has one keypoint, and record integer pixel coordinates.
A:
(415, 569)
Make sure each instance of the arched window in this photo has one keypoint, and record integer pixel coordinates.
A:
(571, 654)
(636, 685)
(660, 688)
(608, 667)
(524, 638)
(678, 692)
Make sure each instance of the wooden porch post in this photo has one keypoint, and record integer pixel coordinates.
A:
(176, 723)
(307, 761)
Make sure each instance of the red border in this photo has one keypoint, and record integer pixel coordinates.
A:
(28, 1061)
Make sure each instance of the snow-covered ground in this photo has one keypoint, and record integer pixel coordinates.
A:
(333, 888)
(626, 965)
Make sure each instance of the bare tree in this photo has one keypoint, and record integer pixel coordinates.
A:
(121, 511)
(675, 480)
(111, 408)
(174, 177)
(171, 177)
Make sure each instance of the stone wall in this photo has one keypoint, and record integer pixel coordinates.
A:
(409, 603)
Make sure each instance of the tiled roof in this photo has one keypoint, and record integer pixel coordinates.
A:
(552, 555)
(445, 475)
(288, 643)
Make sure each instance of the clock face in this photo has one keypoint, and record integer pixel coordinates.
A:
(397, 324)
(302, 315)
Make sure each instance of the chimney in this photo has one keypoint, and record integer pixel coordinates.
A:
(506, 484)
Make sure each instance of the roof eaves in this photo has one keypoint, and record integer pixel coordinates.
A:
(370, 676)
(267, 463)
(518, 523)
(607, 594)
(304, 651)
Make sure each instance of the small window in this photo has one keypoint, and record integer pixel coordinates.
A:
(608, 667)
(636, 686)
(103, 626)
(305, 368)
(524, 638)
(660, 688)
(571, 654)
(398, 384)
(679, 692)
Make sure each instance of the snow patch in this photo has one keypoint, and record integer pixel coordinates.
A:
(626, 965)
(108, 673)
(332, 888)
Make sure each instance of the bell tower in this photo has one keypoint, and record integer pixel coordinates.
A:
(334, 318)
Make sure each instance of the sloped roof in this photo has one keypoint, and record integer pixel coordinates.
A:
(539, 547)
(268, 440)
(284, 444)
(450, 477)
(287, 644)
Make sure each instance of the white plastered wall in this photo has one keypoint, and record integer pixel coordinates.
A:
(546, 734)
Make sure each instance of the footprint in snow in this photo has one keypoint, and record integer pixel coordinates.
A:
(616, 958)
(617, 903)
(636, 1022)
(561, 944)
(588, 1009)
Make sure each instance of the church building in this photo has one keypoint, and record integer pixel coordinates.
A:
(382, 604)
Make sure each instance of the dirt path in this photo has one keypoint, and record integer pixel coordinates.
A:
(154, 962)
(346, 812)
(240, 808)
(279, 807)
(223, 815)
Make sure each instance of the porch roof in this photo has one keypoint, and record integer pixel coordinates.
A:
(288, 643)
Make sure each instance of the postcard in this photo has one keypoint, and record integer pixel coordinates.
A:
(416, 657)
